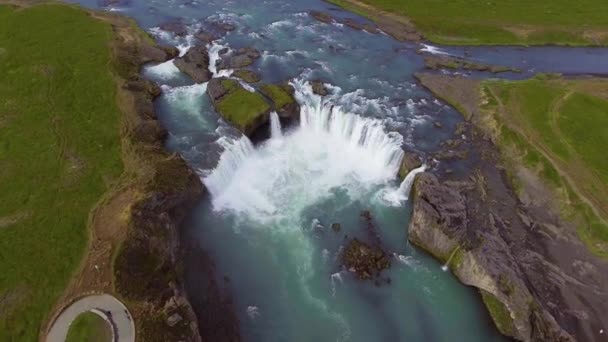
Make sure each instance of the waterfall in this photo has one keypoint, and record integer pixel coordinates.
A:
(365, 134)
(214, 57)
(275, 126)
(235, 152)
(397, 196)
(330, 149)
(408, 181)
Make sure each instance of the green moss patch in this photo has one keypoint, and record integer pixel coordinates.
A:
(242, 108)
(499, 312)
(279, 95)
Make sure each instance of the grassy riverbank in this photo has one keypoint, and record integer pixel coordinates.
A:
(59, 153)
(557, 128)
(471, 22)
(549, 129)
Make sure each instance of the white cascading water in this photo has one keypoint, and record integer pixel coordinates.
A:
(331, 149)
(397, 196)
(214, 56)
(236, 151)
(275, 126)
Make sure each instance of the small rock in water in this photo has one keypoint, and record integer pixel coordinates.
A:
(336, 227)
(322, 16)
(176, 27)
(365, 261)
(319, 88)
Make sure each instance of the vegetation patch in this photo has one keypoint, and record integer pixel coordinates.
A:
(472, 22)
(60, 151)
(241, 107)
(499, 312)
(279, 95)
(556, 128)
(89, 327)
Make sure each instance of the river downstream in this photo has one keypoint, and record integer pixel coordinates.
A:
(266, 222)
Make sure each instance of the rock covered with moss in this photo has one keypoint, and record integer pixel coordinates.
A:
(245, 110)
(283, 100)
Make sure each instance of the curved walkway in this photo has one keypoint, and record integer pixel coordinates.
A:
(110, 308)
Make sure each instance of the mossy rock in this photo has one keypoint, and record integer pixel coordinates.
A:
(499, 313)
(282, 97)
(245, 110)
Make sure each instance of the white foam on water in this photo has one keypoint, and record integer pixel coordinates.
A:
(214, 56)
(163, 72)
(433, 50)
(253, 311)
(335, 279)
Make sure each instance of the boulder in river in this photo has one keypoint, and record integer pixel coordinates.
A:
(319, 88)
(245, 110)
(322, 16)
(195, 63)
(365, 261)
(283, 100)
(247, 75)
(176, 27)
(240, 58)
(206, 37)
(409, 162)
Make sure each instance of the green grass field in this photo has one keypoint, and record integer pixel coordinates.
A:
(59, 153)
(89, 327)
(559, 129)
(520, 22)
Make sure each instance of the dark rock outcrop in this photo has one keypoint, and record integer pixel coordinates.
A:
(216, 89)
(456, 226)
(364, 261)
(356, 25)
(240, 58)
(176, 27)
(247, 75)
(410, 161)
(435, 62)
(195, 63)
(318, 88)
(322, 16)
(539, 281)
(205, 37)
(223, 27)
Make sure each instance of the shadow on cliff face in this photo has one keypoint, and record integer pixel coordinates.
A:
(211, 300)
